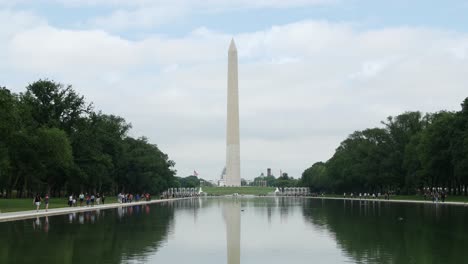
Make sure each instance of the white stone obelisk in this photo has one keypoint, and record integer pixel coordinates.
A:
(232, 131)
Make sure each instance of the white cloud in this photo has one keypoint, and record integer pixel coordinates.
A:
(149, 14)
(213, 4)
(55, 50)
(297, 99)
(16, 21)
(370, 69)
(143, 18)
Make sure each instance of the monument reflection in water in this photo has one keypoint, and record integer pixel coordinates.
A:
(232, 218)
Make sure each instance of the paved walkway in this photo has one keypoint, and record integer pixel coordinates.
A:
(4, 217)
(392, 201)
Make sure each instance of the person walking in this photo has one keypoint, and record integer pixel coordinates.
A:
(46, 201)
(37, 201)
(92, 199)
(70, 200)
(98, 199)
(103, 198)
(87, 200)
(81, 198)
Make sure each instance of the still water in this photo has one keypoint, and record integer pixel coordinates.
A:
(244, 230)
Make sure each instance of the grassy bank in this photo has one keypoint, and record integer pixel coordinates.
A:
(240, 190)
(14, 205)
(463, 199)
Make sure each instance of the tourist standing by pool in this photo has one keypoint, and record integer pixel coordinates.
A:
(37, 201)
(81, 199)
(46, 201)
(103, 198)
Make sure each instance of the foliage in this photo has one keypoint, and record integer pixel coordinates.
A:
(52, 141)
(191, 181)
(247, 190)
(188, 182)
(410, 153)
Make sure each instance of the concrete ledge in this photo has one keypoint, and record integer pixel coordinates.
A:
(21, 215)
(387, 201)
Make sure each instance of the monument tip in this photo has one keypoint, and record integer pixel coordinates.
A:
(232, 46)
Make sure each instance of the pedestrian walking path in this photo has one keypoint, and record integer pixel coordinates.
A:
(4, 217)
(391, 201)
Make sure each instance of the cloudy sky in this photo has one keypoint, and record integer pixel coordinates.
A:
(310, 71)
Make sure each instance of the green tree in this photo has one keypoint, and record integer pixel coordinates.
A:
(459, 149)
(98, 149)
(9, 125)
(51, 140)
(189, 182)
(316, 177)
(146, 168)
(54, 155)
(55, 105)
(410, 153)
(435, 149)
(401, 129)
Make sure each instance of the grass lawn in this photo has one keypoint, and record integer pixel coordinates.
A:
(14, 205)
(240, 190)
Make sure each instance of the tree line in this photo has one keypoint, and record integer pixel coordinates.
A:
(283, 180)
(53, 141)
(409, 154)
(191, 181)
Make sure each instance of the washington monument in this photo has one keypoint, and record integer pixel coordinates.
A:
(232, 131)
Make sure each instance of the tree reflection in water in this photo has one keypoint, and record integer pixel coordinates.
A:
(379, 232)
(107, 236)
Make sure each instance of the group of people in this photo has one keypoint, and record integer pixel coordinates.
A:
(91, 199)
(385, 196)
(128, 197)
(88, 199)
(38, 200)
(436, 196)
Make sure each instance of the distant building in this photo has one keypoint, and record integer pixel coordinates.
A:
(260, 182)
(269, 172)
(213, 183)
(222, 181)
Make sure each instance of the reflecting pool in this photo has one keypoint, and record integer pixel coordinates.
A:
(244, 230)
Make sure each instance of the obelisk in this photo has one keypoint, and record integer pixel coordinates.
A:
(232, 131)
